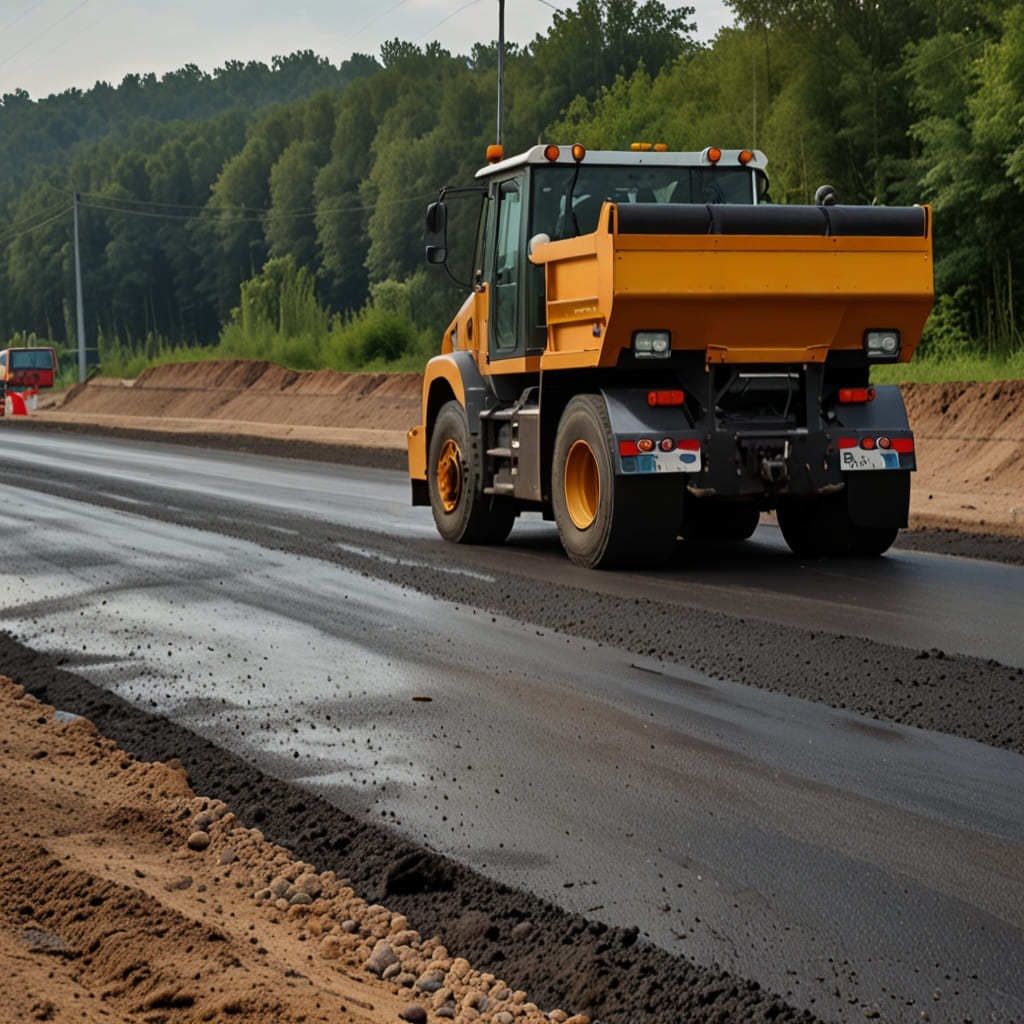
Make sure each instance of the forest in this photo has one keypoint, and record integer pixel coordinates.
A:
(277, 211)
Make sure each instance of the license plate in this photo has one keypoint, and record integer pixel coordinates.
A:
(858, 458)
(678, 461)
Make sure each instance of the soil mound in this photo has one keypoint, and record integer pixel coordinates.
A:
(254, 392)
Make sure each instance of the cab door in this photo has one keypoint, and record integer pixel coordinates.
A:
(509, 264)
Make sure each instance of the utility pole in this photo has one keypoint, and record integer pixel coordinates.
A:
(501, 60)
(78, 301)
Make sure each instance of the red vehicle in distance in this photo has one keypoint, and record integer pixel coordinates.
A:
(23, 371)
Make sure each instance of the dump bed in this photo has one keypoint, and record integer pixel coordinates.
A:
(744, 284)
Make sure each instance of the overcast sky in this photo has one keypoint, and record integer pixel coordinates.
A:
(47, 46)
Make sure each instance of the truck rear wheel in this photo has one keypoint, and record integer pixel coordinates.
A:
(822, 526)
(606, 520)
(462, 512)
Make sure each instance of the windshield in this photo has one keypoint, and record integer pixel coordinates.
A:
(31, 359)
(553, 186)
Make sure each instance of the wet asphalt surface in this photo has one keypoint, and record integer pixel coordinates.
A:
(577, 961)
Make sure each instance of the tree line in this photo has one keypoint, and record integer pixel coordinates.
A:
(284, 204)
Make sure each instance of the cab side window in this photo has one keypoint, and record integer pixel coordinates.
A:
(508, 260)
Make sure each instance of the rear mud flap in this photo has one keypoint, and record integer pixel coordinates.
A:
(879, 499)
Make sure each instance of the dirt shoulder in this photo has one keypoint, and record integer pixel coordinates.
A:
(127, 897)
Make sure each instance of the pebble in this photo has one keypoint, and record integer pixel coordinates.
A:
(382, 957)
(344, 926)
(199, 840)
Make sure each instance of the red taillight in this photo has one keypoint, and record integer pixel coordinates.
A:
(905, 445)
(855, 396)
(645, 444)
(655, 398)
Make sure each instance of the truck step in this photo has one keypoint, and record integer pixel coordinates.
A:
(500, 453)
(501, 488)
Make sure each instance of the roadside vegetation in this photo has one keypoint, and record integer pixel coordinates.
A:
(277, 212)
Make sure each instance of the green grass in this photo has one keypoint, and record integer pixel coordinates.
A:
(959, 368)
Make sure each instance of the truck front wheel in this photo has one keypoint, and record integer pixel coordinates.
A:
(606, 520)
(462, 513)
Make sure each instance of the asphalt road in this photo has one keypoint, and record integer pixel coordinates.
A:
(593, 738)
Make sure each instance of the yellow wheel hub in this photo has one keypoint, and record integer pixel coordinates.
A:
(449, 476)
(582, 485)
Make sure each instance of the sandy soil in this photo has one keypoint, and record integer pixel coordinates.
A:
(127, 897)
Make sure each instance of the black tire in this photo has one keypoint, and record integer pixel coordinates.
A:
(705, 520)
(462, 513)
(606, 521)
(816, 527)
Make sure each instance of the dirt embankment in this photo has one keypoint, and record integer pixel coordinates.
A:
(128, 898)
(970, 437)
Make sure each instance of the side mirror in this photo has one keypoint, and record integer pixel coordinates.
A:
(437, 233)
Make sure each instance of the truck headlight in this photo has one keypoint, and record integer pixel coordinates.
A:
(652, 344)
(882, 345)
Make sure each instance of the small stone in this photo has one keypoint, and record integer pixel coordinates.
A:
(414, 1015)
(442, 997)
(382, 957)
(199, 840)
(431, 981)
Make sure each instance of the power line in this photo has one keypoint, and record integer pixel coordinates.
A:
(46, 31)
(213, 215)
(9, 233)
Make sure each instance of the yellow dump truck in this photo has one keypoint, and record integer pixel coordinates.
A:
(651, 349)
